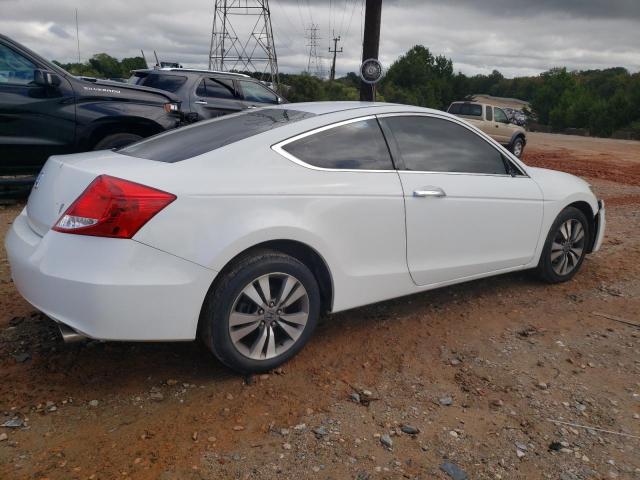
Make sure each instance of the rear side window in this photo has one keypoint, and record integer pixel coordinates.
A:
(489, 115)
(430, 144)
(187, 142)
(354, 146)
(216, 88)
(169, 83)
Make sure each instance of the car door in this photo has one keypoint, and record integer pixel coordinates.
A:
(502, 125)
(256, 95)
(35, 121)
(214, 97)
(465, 214)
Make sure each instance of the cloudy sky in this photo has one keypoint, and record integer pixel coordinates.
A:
(517, 37)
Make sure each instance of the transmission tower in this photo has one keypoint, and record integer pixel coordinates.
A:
(255, 52)
(314, 65)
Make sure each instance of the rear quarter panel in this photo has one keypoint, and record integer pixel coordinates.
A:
(245, 194)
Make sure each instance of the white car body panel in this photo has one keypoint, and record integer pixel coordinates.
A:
(377, 241)
(105, 288)
(484, 223)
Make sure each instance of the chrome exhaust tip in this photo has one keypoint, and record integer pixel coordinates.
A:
(69, 335)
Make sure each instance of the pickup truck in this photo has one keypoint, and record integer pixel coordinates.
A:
(44, 110)
(494, 122)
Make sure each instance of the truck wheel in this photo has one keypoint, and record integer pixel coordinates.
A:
(517, 147)
(116, 140)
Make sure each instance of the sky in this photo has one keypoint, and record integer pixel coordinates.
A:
(516, 37)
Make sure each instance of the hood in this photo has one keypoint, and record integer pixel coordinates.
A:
(555, 184)
(113, 89)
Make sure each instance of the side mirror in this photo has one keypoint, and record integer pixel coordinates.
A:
(45, 78)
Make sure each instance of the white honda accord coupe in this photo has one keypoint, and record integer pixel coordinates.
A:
(243, 230)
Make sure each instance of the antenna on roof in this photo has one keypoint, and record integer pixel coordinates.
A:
(146, 64)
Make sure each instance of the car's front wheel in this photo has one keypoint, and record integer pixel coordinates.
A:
(261, 312)
(565, 246)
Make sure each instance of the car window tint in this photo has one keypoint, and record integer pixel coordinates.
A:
(454, 108)
(170, 83)
(216, 88)
(501, 116)
(193, 140)
(14, 68)
(489, 114)
(435, 145)
(354, 146)
(254, 92)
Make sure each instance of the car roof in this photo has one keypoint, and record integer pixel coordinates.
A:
(183, 71)
(322, 108)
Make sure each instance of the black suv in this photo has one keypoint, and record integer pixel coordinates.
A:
(45, 111)
(207, 94)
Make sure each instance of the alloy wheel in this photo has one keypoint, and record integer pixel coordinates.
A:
(567, 247)
(268, 316)
(517, 149)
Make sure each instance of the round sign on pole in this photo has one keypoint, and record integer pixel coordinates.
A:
(371, 71)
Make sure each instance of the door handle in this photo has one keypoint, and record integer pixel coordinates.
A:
(429, 192)
(200, 102)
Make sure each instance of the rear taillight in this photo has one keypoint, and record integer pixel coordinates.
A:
(112, 207)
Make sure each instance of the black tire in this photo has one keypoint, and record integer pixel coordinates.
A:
(218, 304)
(517, 147)
(546, 270)
(116, 140)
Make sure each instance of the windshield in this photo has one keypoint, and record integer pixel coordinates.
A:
(177, 145)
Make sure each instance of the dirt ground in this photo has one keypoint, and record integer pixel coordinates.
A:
(498, 378)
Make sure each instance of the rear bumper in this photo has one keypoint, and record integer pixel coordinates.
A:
(108, 289)
(601, 224)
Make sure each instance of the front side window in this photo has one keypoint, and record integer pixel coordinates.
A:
(429, 144)
(216, 88)
(170, 83)
(501, 117)
(254, 92)
(14, 68)
(353, 146)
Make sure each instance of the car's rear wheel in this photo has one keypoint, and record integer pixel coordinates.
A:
(261, 312)
(116, 140)
(565, 246)
(517, 148)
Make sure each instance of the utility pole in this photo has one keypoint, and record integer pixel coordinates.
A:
(371, 42)
(335, 51)
(78, 36)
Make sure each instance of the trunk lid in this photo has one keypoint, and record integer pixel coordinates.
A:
(64, 178)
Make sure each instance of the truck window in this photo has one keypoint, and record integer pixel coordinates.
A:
(501, 117)
(469, 109)
(489, 113)
(15, 68)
